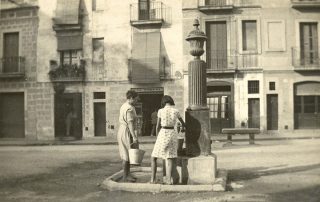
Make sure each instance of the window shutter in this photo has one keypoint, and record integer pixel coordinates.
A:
(146, 58)
(67, 12)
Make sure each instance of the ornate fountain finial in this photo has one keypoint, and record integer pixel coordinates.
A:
(196, 38)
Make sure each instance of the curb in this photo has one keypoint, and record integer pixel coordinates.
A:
(83, 142)
(111, 184)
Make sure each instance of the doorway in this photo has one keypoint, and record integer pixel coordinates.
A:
(148, 103)
(68, 115)
(99, 119)
(220, 104)
(254, 113)
(12, 115)
(272, 112)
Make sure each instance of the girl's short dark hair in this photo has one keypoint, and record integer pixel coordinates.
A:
(131, 94)
(166, 99)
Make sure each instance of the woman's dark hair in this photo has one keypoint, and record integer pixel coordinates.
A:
(166, 99)
(131, 94)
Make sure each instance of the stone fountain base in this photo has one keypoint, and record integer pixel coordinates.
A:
(113, 183)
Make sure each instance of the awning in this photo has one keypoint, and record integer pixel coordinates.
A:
(67, 12)
(146, 57)
(70, 42)
(308, 88)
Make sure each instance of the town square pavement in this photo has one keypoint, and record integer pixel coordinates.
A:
(278, 170)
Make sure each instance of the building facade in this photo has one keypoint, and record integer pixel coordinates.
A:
(66, 65)
(87, 54)
(263, 62)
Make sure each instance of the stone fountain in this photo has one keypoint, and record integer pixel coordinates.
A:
(197, 169)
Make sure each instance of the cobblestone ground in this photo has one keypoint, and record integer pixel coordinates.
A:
(268, 171)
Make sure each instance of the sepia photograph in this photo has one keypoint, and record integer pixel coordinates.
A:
(160, 100)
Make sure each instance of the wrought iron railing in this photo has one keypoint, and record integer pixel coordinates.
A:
(68, 72)
(305, 1)
(147, 12)
(224, 3)
(231, 59)
(12, 66)
(305, 59)
(215, 3)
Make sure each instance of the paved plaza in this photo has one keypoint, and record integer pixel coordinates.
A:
(278, 170)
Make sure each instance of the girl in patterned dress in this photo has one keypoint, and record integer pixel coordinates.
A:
(167, 143)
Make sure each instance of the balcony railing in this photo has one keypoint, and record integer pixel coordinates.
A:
(305, 3)
(12, 67)
(155, 12)
(226, 60)
(305, 59)
(226, 4)
(215, 4)
(68, 72)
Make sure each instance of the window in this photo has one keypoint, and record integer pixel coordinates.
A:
(249, 35)
(309, 104)
(69, 57)
(253, 87)
(97, 5)
(297, 104)
(98, 50)
(213, 104)
(99, 95)
(94, 5)
(272, 85)
(10, 52)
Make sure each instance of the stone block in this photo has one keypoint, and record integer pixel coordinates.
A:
(195, 170)
(202, 169)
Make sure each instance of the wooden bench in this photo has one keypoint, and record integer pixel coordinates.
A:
(242, 131)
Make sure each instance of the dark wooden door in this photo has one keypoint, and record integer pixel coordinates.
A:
(12, 115)
(217, 45)
(254, 113)
(272, 112)
(99, 119)
(309, 44)
(11, 52)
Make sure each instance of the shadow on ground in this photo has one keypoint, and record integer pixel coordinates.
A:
(256, 172)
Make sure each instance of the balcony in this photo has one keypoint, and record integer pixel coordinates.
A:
(144, 15)
(305, 60)
(212, 5)
(68, 72)
(12, 67)
(229, 61)
(305, 3)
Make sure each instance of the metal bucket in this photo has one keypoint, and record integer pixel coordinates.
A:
(136, 156)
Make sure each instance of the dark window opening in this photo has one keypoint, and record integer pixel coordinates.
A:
(309, 104)
(211, 89)
(99, 95)
(69, 57)
(253, 87)
(272, 85)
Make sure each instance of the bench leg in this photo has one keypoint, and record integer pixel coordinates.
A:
(229, 140)
(251, 141)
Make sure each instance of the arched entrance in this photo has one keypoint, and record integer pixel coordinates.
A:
(307, 105)
(220, 103)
